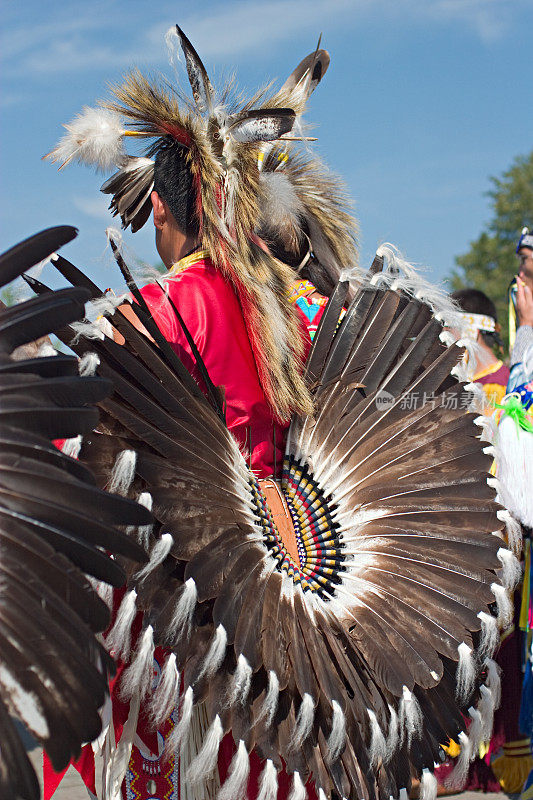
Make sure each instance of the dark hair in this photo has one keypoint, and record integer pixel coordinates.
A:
(476, 302)
(173, 183)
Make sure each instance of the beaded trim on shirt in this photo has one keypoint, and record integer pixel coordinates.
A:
(490, 370)
(186, 262)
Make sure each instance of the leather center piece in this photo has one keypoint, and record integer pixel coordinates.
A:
(281, 516)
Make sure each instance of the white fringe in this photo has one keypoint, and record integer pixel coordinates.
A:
(215, 654)
(493, 482)
(298, 791)
(144, 531)
(460, 372)
(181, 619)
(514, 530)
(479, 398)
(234, 787)
(180, 731)
(486, 424)
(242, 680)
(304, 721)
(511, 569)
(321, 794)
(86, 329)
(88, 364)
(160, 551)
(206, 760)
(137, 678)
(475, 731)
(123, 472)
(465, 675)
(270, 703)
(105, 593)
(457, 778)
(405, 277)
(72, 447)
(268, 783)
(118, 640)
(105, 326)
(167, 693)
(493, 681)
(447, 338)
(504, 603)
(490, 636)
(46, 350)
(172, 42)
(486, 709)
(410, 716)
(337, 737)
(378, 745)
(105, 305)
(393, 734)
(428, 785)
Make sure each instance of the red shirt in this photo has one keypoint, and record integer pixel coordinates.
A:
(211, 311)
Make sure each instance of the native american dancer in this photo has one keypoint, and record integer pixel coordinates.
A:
(328, 591)
(54, 522)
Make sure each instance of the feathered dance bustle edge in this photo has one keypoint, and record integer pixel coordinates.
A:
(60, 535)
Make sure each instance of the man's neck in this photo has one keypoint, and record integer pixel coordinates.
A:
(484, 358)
(180, 249)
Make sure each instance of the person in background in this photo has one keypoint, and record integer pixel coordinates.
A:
(522, 309)
(479, 315)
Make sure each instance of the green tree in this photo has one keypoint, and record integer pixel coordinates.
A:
(491, 262)
(8, 296)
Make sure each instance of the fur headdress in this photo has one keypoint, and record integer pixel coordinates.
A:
(306, 217)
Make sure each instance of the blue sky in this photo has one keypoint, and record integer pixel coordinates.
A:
(423, 101)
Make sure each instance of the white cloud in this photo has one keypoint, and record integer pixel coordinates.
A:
(95, 207)
(489, 19)
(111, 37)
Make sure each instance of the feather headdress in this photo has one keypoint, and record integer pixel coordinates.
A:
(227, 142)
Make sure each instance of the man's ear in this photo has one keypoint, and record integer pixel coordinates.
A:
(160, 211)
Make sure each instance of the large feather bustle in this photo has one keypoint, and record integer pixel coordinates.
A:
(53, 522)
(399, 599)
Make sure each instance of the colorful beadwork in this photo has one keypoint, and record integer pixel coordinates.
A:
(320, 550)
